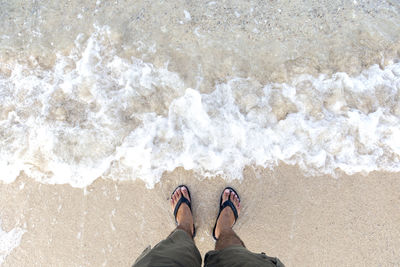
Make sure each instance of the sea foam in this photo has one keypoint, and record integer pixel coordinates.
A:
(97, 114)
(9, 241)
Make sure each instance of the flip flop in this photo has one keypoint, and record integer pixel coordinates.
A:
(227, 203)
(183, 199)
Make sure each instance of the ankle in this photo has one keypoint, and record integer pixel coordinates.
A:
(225, 231)
(224, 225)
(188, 228)
(228, 238)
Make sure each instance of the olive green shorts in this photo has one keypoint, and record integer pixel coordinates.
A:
(179, 250)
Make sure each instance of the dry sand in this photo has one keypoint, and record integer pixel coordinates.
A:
(305, 221)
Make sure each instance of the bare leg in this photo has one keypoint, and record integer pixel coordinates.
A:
(178, 249)
(226, 236)
(184, 215)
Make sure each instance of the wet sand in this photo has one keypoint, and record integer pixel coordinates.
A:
(305, 221)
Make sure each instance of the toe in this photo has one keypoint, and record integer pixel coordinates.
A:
(178, 193)
(173, 198)
(185, 193)
(226, 195)
(235, 200)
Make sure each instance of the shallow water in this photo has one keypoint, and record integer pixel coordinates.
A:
(128, 91)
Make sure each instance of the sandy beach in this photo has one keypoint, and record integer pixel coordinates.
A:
(305, 221)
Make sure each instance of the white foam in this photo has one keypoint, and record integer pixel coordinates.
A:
(9, 241)
(188, 17)
(95, 114)
(209, 134)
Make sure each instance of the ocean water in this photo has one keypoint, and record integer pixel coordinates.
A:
(128, 90)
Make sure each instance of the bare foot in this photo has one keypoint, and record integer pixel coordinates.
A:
(184, 216)
(227, 218)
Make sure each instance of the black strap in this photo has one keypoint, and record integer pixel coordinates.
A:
(181, 200)
(229, 203)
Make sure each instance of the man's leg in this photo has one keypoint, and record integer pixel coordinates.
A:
(184, 215)
(179, 248)
(224, 232)
(230, 249)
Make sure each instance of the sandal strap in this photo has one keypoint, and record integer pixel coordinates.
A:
(230, 204)
(180, 201)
